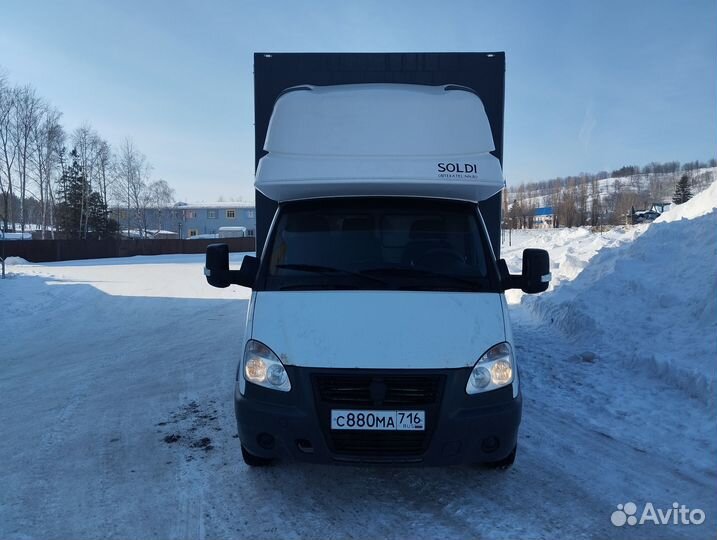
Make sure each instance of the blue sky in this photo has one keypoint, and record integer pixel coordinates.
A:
(590, 85)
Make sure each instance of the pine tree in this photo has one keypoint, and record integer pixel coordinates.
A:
(70, 194)
(73, 208)
(682, 190)
(99, 223)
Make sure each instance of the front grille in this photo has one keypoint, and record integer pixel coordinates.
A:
(379, 443)
(396, 390)
(378, 391)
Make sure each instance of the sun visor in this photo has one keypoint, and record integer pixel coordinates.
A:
(379, 140)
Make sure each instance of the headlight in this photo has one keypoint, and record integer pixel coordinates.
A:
(493, 370)
(262, 367)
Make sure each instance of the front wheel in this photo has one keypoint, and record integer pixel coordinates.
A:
(254, 460)
(504, 463)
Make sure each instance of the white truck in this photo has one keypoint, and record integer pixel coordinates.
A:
(377, 329)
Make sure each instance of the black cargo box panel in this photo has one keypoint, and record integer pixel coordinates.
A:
(482, 72)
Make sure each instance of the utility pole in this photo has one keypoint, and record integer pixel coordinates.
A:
(128, 203)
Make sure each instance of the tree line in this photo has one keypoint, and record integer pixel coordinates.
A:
(64, 183)
(606, 197)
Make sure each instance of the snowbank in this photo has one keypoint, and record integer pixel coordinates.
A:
(570, 250)
(10, 261)
(652, 301)
(699, 205)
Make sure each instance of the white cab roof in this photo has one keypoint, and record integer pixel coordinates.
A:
(379, 139)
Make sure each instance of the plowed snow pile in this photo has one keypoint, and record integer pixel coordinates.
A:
(651, 300)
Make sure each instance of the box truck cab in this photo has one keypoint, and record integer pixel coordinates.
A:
(377, 329)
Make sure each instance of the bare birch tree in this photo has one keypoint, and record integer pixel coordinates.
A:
(27, 110)
(132, 176)
(48, 139)
(8, 150)
(105, 174)
(161, 197)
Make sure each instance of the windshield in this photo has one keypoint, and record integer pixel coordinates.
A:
(373, 244)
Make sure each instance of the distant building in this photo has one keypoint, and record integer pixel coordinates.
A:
(209, 218)
(543, 218)
(191, 220)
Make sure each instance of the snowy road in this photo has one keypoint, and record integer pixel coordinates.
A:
(117, 414)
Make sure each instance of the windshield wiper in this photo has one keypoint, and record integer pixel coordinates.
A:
(314, 287)
(328, 270)
(474, 283)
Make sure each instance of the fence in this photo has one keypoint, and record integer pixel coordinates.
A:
(67, 250)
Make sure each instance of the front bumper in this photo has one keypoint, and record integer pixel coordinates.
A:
(460, 428)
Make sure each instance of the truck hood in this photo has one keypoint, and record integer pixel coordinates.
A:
(378, 329)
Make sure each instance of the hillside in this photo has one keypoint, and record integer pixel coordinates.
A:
(600, 199)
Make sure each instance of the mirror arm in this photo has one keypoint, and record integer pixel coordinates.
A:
(513, 281)
(235, 277)
(508, 280)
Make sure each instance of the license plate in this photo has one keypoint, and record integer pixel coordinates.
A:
(378, 420)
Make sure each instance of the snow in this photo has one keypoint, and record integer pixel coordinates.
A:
(701, 204)
(650, 297)
(570, 250)
(165, 276)
(10, 261)
(15, 235)
(117, 412)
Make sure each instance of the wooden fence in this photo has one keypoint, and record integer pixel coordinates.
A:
(67, 250)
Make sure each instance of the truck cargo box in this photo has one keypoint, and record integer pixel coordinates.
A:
(481, 73)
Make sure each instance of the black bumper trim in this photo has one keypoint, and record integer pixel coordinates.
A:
(457, 425)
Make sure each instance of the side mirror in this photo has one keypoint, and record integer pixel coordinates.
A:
(536, 271)
(535, 277)
(217, 270)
